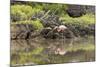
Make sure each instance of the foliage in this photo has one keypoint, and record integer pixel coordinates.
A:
(23, 12)
(36, 23)
(56, 8)
(85, 19)
(26, 11)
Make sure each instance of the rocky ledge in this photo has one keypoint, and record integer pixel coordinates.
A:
(27, 31)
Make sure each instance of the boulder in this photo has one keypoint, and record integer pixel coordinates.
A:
(54, 33)
(76, 10)
(21, 31)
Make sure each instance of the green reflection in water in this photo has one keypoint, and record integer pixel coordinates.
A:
(43, 51)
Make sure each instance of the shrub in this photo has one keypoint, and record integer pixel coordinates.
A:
(22, 12)
(36, 23)
(85, 19)
(56, 8)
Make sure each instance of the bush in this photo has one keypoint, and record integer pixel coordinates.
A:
(22, 12)
(56, 8)
(36, 23)
(85, 19)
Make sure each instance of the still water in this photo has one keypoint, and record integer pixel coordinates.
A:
(47, 51)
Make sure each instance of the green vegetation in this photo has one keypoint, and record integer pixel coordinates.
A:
(85, 19)
(36, 23)
(58, 9)
(24, 12)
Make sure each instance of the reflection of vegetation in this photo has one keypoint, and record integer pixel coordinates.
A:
(37, 57)
(81, 47)
(37, 50)
(28, 57)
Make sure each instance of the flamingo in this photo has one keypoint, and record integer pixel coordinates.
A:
(61, 28)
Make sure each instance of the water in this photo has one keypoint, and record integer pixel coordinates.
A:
(48, 51)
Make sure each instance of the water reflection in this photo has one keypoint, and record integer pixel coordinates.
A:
(43, 51)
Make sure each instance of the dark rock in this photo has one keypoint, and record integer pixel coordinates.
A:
(21, 31)
(79, 10)
(81, 30)
(34, 34)
(45, 31)
(23, 35)
(15, 18)
(53, 33)
(76, 10)
(90, 9)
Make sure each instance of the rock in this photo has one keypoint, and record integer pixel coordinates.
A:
(79, 10)
(81, 30)
(23, 35)
(90, 9)
(45, 31)
(50, 33)
(57, 32)
(34, 34)
(21, 31)
(76, 10)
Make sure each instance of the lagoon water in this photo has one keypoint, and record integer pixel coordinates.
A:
(47, 51)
